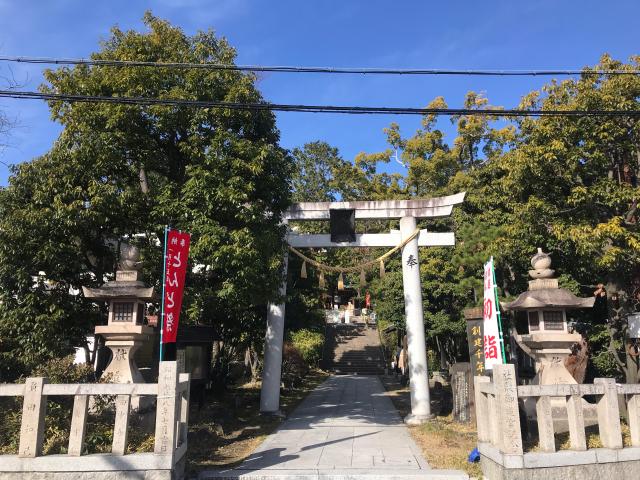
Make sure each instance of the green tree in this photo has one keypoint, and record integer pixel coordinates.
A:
(316, 173)
(566, 184)
(569, 186)
(120, 170)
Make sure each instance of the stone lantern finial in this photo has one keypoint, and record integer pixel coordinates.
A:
(541, 262)
(129, 258)
(129, 266)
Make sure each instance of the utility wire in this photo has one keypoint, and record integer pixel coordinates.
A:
(355, 110)
(302, 69)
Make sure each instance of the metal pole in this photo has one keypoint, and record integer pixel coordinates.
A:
(164, 275)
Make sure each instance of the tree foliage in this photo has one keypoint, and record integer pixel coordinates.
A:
(565, 184)
(118, 171)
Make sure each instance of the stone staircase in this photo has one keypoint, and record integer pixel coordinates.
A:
(353, 349)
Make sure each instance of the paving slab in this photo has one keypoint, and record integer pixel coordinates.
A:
(347, 428)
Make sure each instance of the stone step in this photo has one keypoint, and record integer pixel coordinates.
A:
(362, 358)
(356, 368)
(358, 365)
(358, 371)
(376, 473)
(356, 350)
(357, 357)
(360, 353)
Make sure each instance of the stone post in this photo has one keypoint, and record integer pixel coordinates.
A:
(34, 409)
(121, 425)
(78, 425)
(546, 435)
(495, 433)
(270, 392)
(575, 417)
(417, 347)
(166, 414)
(482, 409)
(633, 409)
(504, 379)
(184, 407)
(609, 414)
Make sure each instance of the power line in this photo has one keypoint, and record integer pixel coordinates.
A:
(303, 69)
(355, 110)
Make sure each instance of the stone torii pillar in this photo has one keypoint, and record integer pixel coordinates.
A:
(405, 210)
(274, 338)
(417, 344)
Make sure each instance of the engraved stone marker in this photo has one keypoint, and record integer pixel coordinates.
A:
(462, 389)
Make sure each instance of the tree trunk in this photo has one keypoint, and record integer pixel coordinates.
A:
(631, 373)
(576, 363)
(144, 185)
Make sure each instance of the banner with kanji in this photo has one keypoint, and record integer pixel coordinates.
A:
(175, 269)
(492, 341)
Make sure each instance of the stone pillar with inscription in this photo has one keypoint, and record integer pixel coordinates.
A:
(417, 345)
(462, 374)
(474, 318)
(504, 379)
(462, 391)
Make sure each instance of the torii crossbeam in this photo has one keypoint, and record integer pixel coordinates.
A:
(407, 211)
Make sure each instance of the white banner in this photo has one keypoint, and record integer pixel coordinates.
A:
(491, 341)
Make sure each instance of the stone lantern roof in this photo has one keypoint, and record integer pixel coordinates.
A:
(544, 291)
(127, 283)
(120, 288)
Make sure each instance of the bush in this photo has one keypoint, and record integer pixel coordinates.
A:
(309, 344)
(58, 418)
(100, 422)
(389, 340)
(10, 415)
(63, 370)
(294, 367)
(11, 367)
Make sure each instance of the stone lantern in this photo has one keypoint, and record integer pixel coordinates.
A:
(125, 331)
(549, 341)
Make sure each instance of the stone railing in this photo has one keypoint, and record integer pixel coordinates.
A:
(500, 406)
(166, 462)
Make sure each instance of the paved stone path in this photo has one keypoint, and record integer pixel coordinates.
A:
(345, 428)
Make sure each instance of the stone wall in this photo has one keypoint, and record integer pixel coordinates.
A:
(596, 464)
(500, 418)
(171, 396)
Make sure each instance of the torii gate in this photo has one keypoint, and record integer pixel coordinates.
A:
(407, 211)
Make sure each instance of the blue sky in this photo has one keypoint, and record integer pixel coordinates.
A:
(369, 33)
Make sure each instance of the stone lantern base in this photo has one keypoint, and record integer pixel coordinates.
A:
(550, 351)
(123, 341)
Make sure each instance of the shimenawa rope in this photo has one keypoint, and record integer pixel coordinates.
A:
(362, 266)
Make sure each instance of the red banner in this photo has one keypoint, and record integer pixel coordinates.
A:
(177, 251)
